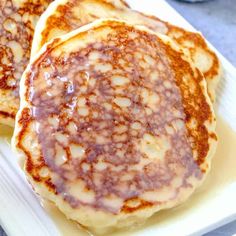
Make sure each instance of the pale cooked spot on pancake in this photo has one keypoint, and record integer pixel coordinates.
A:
(63, 16)
(17, 22)
(137, 146)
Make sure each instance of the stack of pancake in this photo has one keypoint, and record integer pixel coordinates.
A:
(113, 113)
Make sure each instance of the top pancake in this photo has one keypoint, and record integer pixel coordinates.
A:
(17, 21)
(62, 16)
(114, 124)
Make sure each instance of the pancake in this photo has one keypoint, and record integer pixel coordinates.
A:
(17, 22)
(64, 16)
(114, 125)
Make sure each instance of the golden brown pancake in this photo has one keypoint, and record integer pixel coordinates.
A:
(17, 22)
(65, 15)
(114, 125)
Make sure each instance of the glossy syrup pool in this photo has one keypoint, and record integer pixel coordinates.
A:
(221, 176)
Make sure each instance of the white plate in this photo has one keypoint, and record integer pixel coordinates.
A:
(211, 206)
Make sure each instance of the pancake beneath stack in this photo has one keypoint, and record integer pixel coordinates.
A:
(17, 21)
(114, 125)
(63, 16)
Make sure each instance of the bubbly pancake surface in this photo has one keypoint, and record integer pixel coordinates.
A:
(65, 15)
(17, 22)
(114, 125)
